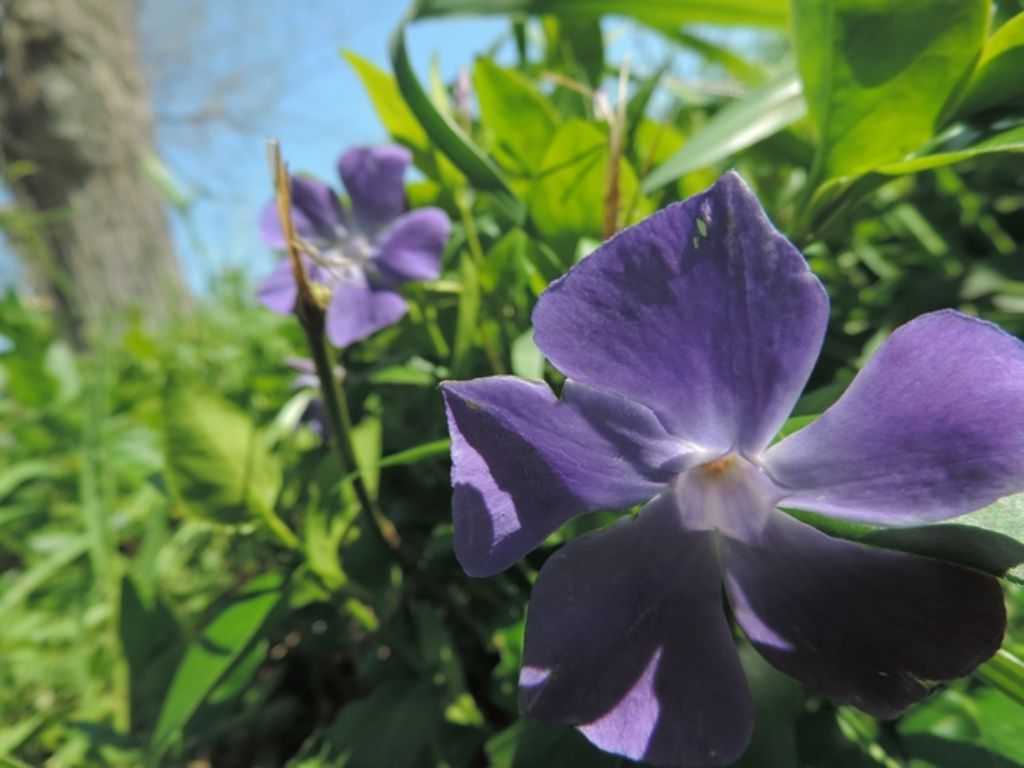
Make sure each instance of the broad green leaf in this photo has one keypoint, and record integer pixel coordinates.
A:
(519, 119)
(1007, 141)
(991, 539)
(389, 104)
(210, 657)
(999, 76)
(654, 12)
(878, 75)
(567, 199)
(217, 464)
(744, 122)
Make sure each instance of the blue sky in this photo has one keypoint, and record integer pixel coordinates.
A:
(226, 76)
(314, 105)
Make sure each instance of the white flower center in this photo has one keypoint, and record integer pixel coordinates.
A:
(342, 259)
(729, 494)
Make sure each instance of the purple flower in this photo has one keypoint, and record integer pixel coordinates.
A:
(686, 340)
(358, 255)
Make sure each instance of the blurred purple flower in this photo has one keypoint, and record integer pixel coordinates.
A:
(686, 340)
(361, 253)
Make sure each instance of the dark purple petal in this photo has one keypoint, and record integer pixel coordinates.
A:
(626, 638)
(524, 462)
(373, 180)
(931, 428)
(869, 627)
(411, 248)
(358, 308)
(703, 312)
(278, 291)
(316, 213)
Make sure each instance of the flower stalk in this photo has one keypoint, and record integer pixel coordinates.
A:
(311, 316)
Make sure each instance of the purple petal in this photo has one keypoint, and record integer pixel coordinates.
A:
(358, 309)
(316, 213)
(703, 312)
(411, 248)
(626, 638)
(933, 427)
(525, 462)
(278, 291)
(869, 627)
(373, 179)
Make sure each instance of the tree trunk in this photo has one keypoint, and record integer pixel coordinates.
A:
(74, 110)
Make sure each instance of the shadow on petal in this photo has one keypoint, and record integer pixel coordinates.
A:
(626, 638)
(869, 627)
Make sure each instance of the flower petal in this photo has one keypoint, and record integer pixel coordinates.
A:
(411, 248)
(931, 428)
(278, 291)
(373, 180)
(868, 627)
(626, 638)
(703, 312)
(358, 309)
(316, 212)
(524, 462)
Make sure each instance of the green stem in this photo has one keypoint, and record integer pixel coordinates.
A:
(340, 421)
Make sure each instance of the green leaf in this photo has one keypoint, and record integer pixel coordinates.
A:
(654, 12)
(392, 727)
(527, 360)
(446, 136)
(1005, 671)
(567, 199)
(991, 539)
(217, 464)
(879, 75)
(1006, 141)
(520, 119)
(392, 110)
(739, 125)
(997, 78)
(153, 646)
(210, 657)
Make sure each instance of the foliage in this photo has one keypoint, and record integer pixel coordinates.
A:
(187, 574)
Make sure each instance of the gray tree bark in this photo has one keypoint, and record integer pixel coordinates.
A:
(74, 111)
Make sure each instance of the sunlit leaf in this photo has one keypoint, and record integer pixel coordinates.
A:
(878, 75)
(210, 657)
(741, 124)
(997, 78)
(217, 464)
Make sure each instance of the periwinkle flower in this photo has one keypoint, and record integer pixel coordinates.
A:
(685, 340)
(357, 255)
